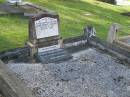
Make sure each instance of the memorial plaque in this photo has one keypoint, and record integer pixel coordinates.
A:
(44, 26)
(43, 33)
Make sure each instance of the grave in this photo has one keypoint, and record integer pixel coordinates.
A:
(14, 1)
(119, 44)
(112, 36)
(22, 8)
(44, 40)
(91, 72)
(122, 2)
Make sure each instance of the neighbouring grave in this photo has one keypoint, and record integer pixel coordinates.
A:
(14, 1)
(44, 40)
(117, 2)
(119, 44)
(24, 8)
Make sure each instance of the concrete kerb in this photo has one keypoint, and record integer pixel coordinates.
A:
(114, 48)
(78, 43)
(10, 85)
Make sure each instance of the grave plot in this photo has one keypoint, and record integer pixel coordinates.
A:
(22, 8)
(44, 41)
(88, 73)
(54, 68)
(91, 73)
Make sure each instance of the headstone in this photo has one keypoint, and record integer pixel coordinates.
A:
(44, 30)
(112, 33)
(44, 39)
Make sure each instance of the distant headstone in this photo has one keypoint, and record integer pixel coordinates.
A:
(44, 38)
(112, 33)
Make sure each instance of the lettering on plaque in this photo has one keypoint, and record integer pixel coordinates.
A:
(46, 27)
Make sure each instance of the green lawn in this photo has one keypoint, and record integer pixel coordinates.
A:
(74, 16)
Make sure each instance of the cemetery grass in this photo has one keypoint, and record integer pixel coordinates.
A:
(74, 16)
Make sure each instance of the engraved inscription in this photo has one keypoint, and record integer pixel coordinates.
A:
(46, 27)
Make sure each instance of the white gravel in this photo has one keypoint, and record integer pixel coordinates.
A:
(90, 74)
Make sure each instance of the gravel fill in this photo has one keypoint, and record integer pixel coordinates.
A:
(89, 74)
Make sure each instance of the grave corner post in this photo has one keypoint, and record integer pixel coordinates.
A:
(32, 43)
(89, 32)
(61, 44)
(112, 33)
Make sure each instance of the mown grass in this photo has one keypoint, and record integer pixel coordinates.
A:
(74, 16)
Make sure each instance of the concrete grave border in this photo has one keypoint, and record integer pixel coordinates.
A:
(10, 85)
(123, 44)
(78, 43)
